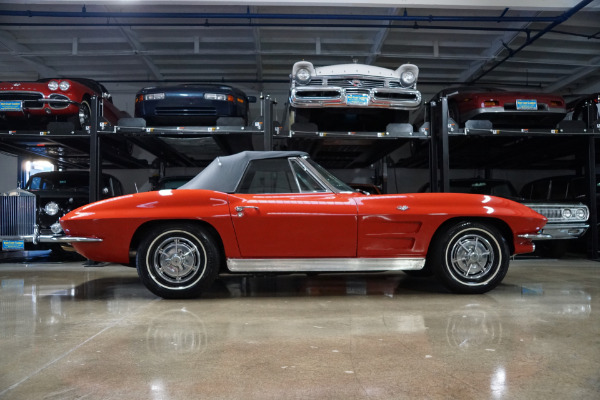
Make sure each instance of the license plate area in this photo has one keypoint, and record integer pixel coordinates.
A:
(11, 105)
(13, 245)
(526, 105)
(357, 99)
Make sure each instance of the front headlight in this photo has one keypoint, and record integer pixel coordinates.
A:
(567, 213)
(51, 208)
(56, 228)
(215, 96)
(64, 86)
(580, 213)
(303, 76)
(52, 85)
(407, 78)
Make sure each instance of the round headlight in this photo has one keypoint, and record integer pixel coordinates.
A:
(303, 76)
(407, 78)
(51, 208)
(52, 85)
(64, 86)
(567, 213)
(56, 228)
(580, 213)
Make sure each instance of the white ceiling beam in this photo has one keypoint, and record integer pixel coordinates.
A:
(380, 38)
(551, 5)
(20, 52)
(577, 75)
(496, 47)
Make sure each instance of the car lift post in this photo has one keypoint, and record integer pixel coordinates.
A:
(439, 155)
(590, 173)
(94, 151)
(268, 124)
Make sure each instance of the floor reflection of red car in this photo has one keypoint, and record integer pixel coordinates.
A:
(280, 212)
(505, 109)
(34, 104)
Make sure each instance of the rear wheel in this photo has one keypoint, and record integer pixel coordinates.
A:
(470, 257)
(178, 261)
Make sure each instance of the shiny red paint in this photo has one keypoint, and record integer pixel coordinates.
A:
(77, 92)
(500, 108)
(472, 101)
(297, 225)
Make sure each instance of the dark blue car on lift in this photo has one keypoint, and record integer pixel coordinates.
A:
(193, 104)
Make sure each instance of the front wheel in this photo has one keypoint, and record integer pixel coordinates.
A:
(470, 257)
(178, 261)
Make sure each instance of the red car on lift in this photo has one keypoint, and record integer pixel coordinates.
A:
(32, 105)
(504, 109)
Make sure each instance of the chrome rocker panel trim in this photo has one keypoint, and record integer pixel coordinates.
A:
(324, 264)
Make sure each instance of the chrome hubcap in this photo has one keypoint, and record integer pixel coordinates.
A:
(177, 260)
(472, 256)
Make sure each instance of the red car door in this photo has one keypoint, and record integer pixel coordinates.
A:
(298, 225)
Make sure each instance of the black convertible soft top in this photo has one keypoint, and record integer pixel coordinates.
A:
(225, 173)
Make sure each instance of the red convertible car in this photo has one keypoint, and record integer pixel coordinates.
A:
(505, 109)
(280, 212)
(26, 105)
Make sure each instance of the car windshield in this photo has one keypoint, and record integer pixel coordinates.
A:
(330, 178)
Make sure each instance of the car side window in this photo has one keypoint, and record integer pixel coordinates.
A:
(305, 180)
(268, 176)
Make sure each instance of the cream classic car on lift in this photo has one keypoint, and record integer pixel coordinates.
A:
(352, 96)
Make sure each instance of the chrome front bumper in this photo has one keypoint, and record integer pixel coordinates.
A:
(334, 96)
(36, 238)
(558, 232)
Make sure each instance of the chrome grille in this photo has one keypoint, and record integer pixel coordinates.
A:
(30, 99)
(356, 83)
(17, 215)
(559, 213)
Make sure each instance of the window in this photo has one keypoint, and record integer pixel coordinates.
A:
(268, 176)
(306, 181)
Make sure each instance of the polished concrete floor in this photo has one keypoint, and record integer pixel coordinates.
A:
(74, 332)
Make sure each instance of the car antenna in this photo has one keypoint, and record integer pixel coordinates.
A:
(136, 188)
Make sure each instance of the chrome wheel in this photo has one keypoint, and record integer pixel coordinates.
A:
(469, 257)
(472, 256)
(177, 260)
(84, 115)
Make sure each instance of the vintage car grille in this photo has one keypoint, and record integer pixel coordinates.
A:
(356, 83)
(556, 213)
(59, 106)
(186, 111)
(18, 215)
(411, 96)
(30, 100)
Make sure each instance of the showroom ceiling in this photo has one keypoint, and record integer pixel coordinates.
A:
(551, 47)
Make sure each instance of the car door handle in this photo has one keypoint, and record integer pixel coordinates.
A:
(240, 209)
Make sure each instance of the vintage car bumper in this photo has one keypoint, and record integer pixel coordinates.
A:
(36, 238)
(18, 104)
(501, 111)
(565, 231)
(335, 96)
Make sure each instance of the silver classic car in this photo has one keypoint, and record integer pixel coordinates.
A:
(353, 96)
